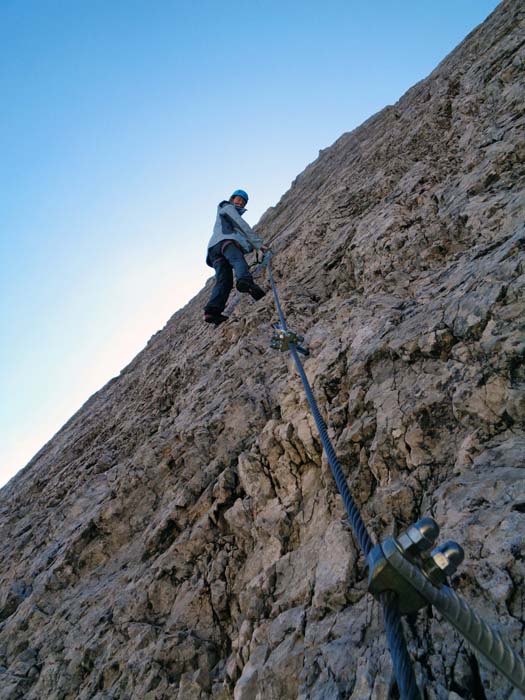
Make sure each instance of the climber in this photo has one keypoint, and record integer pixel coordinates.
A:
(231, 238)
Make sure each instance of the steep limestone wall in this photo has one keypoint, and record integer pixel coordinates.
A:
(181, 536)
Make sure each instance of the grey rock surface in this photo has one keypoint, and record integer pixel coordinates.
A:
(181, 537)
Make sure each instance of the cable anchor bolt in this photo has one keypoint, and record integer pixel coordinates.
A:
(416, 545)
(282, 339)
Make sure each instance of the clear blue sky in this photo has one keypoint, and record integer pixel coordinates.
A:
(124, 122)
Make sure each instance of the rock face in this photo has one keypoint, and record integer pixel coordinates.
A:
(181, 537)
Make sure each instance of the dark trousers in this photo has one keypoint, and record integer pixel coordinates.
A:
(226, 258)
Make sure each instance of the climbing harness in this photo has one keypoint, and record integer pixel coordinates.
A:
(405, 573)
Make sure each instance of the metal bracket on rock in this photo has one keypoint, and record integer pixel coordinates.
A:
(282, 339)
(415, 545)
(407, 566)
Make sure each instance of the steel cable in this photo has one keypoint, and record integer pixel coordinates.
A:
(395, 635)
(364, 539)
(401, 661)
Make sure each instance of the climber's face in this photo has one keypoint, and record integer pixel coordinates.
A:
(238, 201)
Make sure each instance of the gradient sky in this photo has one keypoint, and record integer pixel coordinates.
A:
(124, 122)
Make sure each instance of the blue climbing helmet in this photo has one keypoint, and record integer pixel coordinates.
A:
(240, 193)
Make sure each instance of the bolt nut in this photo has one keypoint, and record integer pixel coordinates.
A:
(448, 557)
(419, 537)
(444, 561)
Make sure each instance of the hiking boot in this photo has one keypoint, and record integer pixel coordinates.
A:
(253, 289)
(215, 318)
